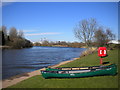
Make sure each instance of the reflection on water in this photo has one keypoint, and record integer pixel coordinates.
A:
(17, 61)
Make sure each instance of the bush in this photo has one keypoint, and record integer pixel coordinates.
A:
(19, 43)
(113, 46)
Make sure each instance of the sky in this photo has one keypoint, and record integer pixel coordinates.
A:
(56, 21)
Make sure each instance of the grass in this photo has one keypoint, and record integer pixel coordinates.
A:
(88, 82)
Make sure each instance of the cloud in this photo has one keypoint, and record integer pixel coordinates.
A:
(37, 34)
(27, 31)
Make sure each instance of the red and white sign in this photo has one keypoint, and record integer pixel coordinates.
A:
(102, 51)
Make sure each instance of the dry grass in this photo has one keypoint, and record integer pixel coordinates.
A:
(88, 51)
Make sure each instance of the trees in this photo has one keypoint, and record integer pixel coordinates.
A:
(4, 29)
(14, 39)
(89, 31)
(20, 34)
(110, 35)
(21, 43)
(13, 33)
(102, 37)
(2, 38)
(85, 30)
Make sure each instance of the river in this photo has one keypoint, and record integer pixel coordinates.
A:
(18, 61)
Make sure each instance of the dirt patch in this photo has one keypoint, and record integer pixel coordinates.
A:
(18, 76)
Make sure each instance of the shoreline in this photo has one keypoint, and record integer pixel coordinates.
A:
(5, 47)
(18, 78)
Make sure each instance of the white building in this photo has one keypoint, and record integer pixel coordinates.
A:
(114, 42)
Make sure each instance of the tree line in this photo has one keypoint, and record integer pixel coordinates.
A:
(74, 44)
(13, 38)
(45, 42)
(89, 32)
(59, 44)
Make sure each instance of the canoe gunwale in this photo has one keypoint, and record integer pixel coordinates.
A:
(84, 71)
(80, 68)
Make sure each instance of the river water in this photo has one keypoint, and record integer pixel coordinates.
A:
(18, 61)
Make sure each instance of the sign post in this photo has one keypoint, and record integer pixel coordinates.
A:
(102, 52)
(101, 62)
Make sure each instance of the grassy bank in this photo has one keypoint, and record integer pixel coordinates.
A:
(88, 82)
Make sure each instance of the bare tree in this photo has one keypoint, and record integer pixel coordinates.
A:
(100, 36)
(20, 34)
(13, 33)
(110, 35)
(85, 30)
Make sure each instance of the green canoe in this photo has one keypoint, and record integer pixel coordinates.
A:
(82, 72)
(78, 68)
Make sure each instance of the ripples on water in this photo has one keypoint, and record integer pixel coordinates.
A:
(17, 61)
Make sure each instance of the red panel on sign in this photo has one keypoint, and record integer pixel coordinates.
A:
(102, 51)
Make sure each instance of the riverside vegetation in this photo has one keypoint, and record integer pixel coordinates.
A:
(89, 82)
(13, 39)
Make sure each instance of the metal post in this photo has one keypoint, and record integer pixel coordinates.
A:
(101, 60)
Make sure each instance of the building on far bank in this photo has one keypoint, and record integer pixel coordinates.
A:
(114, 42)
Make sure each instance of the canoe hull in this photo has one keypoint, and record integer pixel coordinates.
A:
(107, 71)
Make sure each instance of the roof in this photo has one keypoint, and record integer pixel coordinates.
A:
(114, 42)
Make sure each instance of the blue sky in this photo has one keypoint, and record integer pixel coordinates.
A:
(55, 21)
